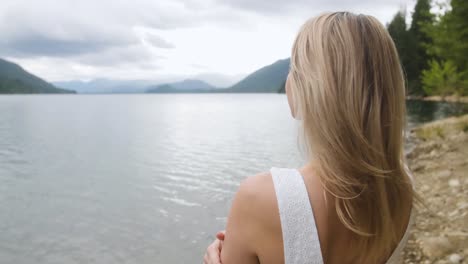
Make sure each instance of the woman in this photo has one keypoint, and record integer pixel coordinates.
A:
(352, 203)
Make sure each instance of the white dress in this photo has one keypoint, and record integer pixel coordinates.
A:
(300, 238)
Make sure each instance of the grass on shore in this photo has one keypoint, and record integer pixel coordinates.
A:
(442, 128)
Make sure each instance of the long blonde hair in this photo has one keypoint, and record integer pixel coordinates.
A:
(348, 89)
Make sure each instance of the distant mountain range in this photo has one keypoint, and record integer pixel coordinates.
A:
(269, 79)
(105, 86)
(14, 79)
(185, 86)
(135, 86)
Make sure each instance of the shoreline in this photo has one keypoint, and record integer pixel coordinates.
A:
(439, 162)
(438, 98)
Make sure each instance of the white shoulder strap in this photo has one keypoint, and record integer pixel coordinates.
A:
(300, 238)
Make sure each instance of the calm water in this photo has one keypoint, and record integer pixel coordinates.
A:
(136, 178)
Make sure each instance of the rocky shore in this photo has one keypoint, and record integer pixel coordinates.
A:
(439, 163)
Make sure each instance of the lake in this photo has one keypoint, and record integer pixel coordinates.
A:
(137, 178)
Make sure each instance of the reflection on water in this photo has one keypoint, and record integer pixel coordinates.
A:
(136, 178)
(425, 111)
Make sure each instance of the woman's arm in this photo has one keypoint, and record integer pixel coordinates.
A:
(253, 228)
(253, 222)
(242, 227)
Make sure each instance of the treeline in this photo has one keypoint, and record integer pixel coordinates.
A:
(434, 47)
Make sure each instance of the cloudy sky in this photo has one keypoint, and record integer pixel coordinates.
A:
(156, 39)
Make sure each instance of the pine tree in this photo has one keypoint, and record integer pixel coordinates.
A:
(403, 42)
(449, 47)
(397, 29)
(458, 21)
(422, 17)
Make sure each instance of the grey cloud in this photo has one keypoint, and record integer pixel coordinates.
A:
(104, 33)
(282, 7)
(133, 55)
(263, 6)
(159, 42)
(34, 44)
(86, 38)
(64, 28)
(26, 34)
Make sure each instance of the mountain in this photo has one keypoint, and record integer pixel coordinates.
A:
(218, 79)
(103, 85)
(269, 79)
(14, 79)
(185, 86)
(107, 86)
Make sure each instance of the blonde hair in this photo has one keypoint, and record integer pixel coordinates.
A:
(348, 89)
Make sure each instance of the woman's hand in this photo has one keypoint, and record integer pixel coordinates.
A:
(213, 252)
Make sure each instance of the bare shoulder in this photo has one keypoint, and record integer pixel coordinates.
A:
(251, 221)
(257, 186)
(256, 193)
(255, 201)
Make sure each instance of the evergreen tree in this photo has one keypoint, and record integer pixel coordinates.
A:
(449, 47)
(459, 17)
(443, 79)
(422, 17)
(458, 21)
(404, 43)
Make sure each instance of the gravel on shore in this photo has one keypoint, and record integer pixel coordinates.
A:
(439, 162)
